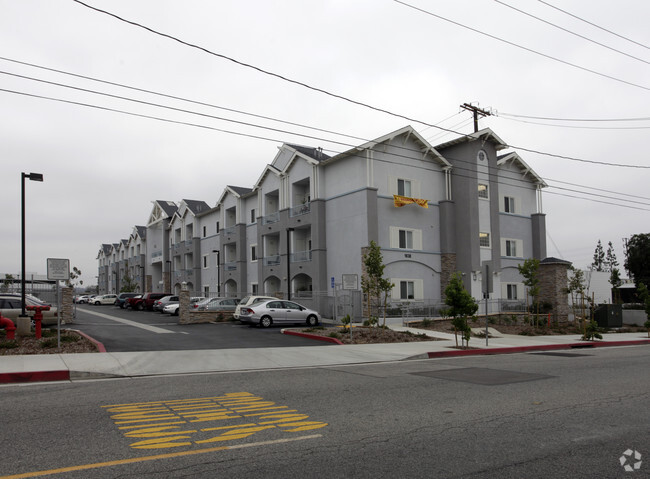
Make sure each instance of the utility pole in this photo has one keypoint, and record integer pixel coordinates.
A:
(476, 111)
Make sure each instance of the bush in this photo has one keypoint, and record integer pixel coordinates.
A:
(334, 334)
(10, 344)
(49, 343)
(426, 322)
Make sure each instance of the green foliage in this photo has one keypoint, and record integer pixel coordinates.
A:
(461, 305)
(334, 334)
(599, 258)
(346, 320)
(75, 274)
(637, 258)
(9, 344)
(592, 331)
(128, 284)
(7, 282)
(644, 295)
(49, 343)
(373, 284)
(426, 322)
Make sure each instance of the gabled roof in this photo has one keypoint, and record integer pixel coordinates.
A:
(526, 170)
(141, 231)
(407, 131)
(169, 207)
(161, 210)
(313, 153)
(239, 191)
(268, 169)
(486, 135)
(196, 206)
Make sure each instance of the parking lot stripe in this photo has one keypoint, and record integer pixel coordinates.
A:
(153, 329)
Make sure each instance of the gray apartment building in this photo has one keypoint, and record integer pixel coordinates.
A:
(300, 230)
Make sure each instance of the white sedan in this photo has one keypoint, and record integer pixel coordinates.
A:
(104, 299)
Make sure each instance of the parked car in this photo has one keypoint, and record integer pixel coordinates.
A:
(82, 299)
(266, 313)
(89, 298)
(159, 304)
(218, 304)
(122, 297)
(104, 299)
(195, 300)
(171, 308)
(147, 300)
(132, 302)
(11, 307)
(247, 301)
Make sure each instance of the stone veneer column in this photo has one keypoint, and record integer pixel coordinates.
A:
(553, 281)
(448, 266)
(67, 307)
(184, 305)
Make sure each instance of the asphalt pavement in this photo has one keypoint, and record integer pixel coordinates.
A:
(70, 367)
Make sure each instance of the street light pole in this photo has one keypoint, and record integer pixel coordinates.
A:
(289, 230)
(218, 271)
(32, 177)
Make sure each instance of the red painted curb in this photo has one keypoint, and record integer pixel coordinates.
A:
(99, 345)
(312, 336)
(522, 349)
(34, 376)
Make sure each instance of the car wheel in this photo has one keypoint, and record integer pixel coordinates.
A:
(97, 303)
(176, 312)
(312, 320)
(266, 321)
(140, 307)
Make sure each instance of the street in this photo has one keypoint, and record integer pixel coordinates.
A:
(126, 330)
(535, 415)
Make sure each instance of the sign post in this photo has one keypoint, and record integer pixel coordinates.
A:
(58, 269)
(487, 287)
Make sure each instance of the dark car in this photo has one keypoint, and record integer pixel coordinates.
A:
(133, 302)
(122, 297)
(147, 300)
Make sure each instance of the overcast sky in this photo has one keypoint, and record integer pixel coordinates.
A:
(103, 168)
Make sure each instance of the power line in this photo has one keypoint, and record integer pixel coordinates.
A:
(578, 126)
(593, 24)
(550, 57)
(471, 175)
(571, 119)
(571, 32)
(334, 95)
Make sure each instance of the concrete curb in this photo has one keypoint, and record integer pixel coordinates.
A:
(311, 336)
(34, 376)
(100, 346)
(523, 349)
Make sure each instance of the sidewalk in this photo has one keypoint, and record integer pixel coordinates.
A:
(57, 367)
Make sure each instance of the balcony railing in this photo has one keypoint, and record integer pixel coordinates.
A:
(271, 218)
(302, 209)
(230, 266)
(300, 256)
(272, 260)
(229, 230)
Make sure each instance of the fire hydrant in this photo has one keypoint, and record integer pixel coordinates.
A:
(9, 326)
(38, 317)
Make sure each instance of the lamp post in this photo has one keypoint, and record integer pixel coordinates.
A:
(218, 271)
(142, 276)
(32, 177)
(169, 268)
(289, 230)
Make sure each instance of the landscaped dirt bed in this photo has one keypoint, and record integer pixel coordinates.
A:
(364, 335)
(71, 342)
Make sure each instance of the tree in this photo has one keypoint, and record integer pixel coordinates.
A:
(637, 258)
(614, 272)
(599, 258)
(611, 262)
(461, 305)
(7, 282)
(644, 295)
(529, 271)
(373, 283)
(128, 284)
(577, 288)
(75, 274)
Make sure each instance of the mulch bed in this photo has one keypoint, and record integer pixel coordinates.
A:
(365, 335)
(71, 342)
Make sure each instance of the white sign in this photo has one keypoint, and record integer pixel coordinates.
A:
(58, 269)
(350, 281)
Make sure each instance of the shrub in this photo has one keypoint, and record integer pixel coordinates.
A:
(426, 322)
(49, 343)
(10, 344)
(334, 334)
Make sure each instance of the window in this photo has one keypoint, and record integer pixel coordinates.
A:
(404, 187)
(253, 252)
(217, 227)
(205, 231)
(484, 240)
(206, 291)
(512, 248)
(253, 219)
(254, 289)
(483, 190)
(508, 204)
(205, 261)
(511, 291)
(406, 290)
(405, 239)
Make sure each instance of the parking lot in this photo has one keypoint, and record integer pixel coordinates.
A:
(125, 330)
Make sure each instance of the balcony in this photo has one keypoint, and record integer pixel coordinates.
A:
(232, 266)
(271, 218)
(156, 256)
(229, 230)
(299, 210)
(272, 260)
(301, 256)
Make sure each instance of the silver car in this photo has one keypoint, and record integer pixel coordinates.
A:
(218, 304)
(266, 313)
